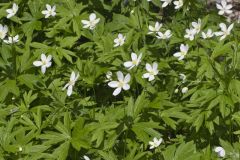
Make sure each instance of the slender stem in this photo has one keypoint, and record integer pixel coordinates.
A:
(14, 61)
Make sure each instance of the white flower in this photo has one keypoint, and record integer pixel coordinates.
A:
(220, 151)
(44, 63)
(12, 40)
(86, 157)
(165, 35)
(109, 76)
(154, 29)
(176, 90)
(225, 31)
(182, 77)
(135, 61)
(122, 83)
(183, 51)
(166, 3)
(91, 24)
(209, 34)
(71, 83)
(3, 31)
(197, 25)
(155, 143)
(224, 8)
(178, 4)
(119, 41)
(190, 33)
(11, 12)
(20, 149)
(184, 90)
(50, 11)
(152, 71)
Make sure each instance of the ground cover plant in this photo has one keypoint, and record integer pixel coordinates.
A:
(119, 79)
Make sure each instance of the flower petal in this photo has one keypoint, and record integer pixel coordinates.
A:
(43, 69)
(37, 63)
(113, 84)
(127, 78)
(120, 76)
(92, 16)
(128, 64)
(69, 90)
(117, 91)
(126, 86)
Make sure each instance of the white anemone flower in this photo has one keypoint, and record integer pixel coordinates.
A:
(224, 8)
(165, 35)
(12, 40)
(208, 34)
(183, 51)
(86, 157)
(154, 29)
(197, 25)
(119, 41)
(50, 11)
(178, 4)
(93, 21)
(220, 151)
(134, 62)
(71, 83)
(3, 31)
(166, 3)
(190, 33)
(12, 11)
(225, 31)
(152, 71)
(44, 63)
(184, 90)
(183, 77)
(122, 83)
(155, 143)
(108, 76)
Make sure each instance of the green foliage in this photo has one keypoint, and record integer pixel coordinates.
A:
(39, 121)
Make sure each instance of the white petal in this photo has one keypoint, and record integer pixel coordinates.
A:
(230, 27)
(92, 16)
(65, 86)
(148, 67)
(76, 77)
(48, 64)
(134, 56)
(37, 63)
(43, 57)
(128, 64)
(43, 69)
(49, 58)
(223, 26)
(113, 84)
(178, 54)
(49, 8)
(127, 78)
(120, 76)
(85, 22)
(69, 90)
(146, 75)
(72, 77)
(155, 66)
(151, 77)
(126, 87)
(117, 91)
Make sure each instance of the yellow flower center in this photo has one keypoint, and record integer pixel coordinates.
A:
(134, 62)
(120, 84)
